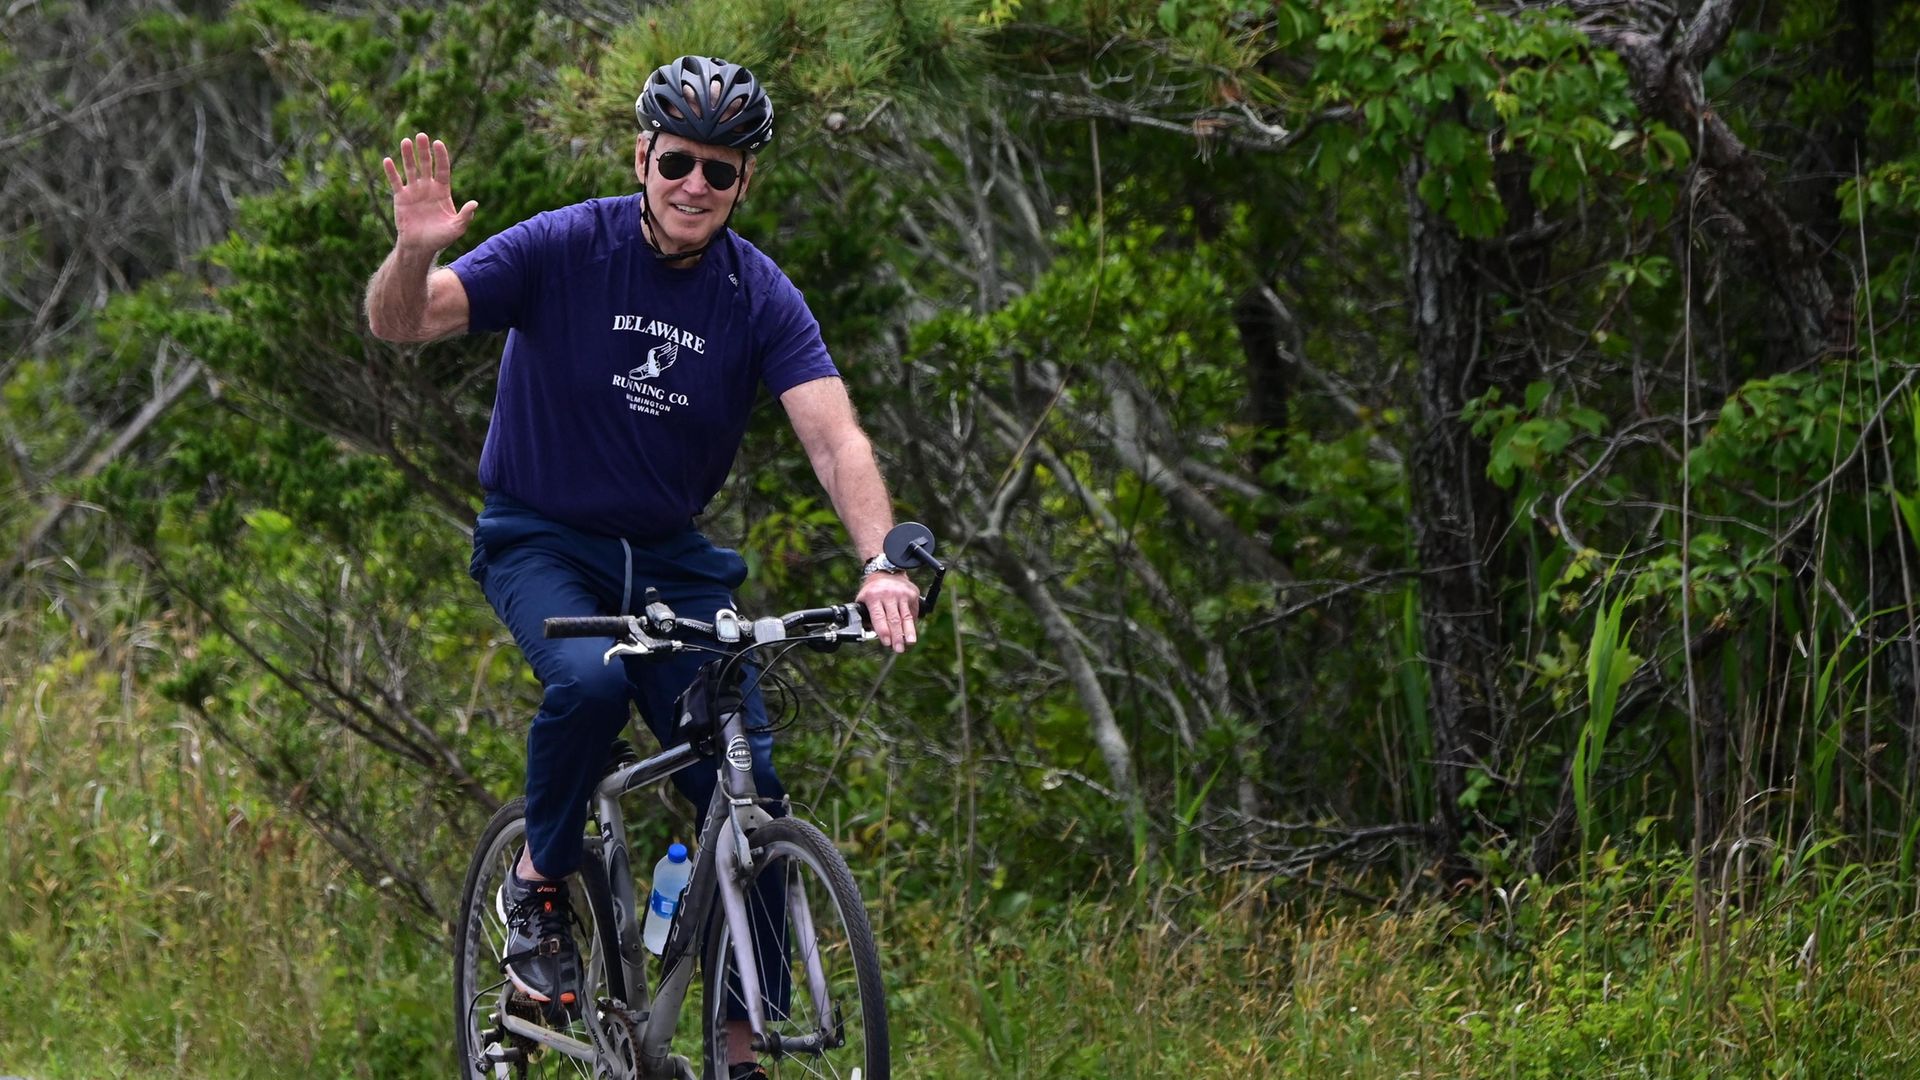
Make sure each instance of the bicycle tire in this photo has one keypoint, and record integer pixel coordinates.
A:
(480, 935)
(807, 860)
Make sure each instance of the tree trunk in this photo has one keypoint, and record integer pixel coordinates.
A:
(1269, 340)
(1455, 508)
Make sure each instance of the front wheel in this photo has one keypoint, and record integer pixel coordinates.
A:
(819, 968)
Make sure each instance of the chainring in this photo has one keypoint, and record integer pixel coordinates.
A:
(616, 1042)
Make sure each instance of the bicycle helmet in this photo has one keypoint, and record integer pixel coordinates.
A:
(708, 100)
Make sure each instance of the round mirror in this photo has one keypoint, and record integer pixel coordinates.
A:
(902, 539)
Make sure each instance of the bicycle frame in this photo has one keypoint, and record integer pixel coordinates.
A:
(722, 862)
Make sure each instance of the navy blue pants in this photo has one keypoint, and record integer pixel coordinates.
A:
(531, 569)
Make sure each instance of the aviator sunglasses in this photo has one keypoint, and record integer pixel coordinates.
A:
(720, 174)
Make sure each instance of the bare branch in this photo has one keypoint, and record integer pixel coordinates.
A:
(56, 506)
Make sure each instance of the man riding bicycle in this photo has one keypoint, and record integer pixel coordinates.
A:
(640, 329)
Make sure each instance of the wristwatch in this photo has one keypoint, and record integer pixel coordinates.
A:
(880, 564)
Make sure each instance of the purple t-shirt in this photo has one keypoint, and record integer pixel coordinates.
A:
(626, 382)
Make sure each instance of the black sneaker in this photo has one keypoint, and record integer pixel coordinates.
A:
(746, 1071)
(541, 958)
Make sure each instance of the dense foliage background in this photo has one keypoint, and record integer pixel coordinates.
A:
(1432, 488)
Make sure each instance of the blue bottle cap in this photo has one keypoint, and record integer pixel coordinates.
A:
(677, 853)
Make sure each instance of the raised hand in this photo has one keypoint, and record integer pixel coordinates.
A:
(423, 213)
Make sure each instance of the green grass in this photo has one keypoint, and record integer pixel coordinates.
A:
(165, 921)
(1602, 980)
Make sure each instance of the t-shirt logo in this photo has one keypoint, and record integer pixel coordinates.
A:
(659, 359)
(642, 394)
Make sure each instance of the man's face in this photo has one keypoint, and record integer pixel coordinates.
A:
(687, 212)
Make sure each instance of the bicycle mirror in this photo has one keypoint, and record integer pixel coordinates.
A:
(909, 544)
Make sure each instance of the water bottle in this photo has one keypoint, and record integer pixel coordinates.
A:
(669, 881)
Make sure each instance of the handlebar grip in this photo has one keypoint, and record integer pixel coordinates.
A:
(604, 626)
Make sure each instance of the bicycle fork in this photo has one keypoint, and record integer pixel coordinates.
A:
(734, 873)
(733, 865)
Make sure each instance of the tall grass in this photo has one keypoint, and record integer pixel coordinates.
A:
(162, 919)
(165, 921)
(1590, 979)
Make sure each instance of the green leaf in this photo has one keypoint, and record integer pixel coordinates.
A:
(1446, 143)
(1589, 420)
(1672, 149)
(269, 522)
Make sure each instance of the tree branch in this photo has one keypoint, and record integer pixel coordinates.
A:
(56, 506)
(1707, 32)
(1668, 87)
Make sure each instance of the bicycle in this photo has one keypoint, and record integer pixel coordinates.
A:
(770, 911)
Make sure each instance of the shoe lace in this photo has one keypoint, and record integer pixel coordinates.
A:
(545, 913)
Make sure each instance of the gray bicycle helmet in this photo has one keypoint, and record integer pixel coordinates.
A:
(708, 100)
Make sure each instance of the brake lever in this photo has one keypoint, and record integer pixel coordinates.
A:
(856, 628)
(641, 646)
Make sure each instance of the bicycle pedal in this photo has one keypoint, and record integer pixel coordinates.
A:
(540, 1012)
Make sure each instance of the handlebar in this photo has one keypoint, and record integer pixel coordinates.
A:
(587, 626)
(907, 545)
(658, 629)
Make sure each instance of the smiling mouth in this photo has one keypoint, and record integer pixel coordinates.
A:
(690, 211)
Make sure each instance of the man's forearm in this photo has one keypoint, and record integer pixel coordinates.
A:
(852, 479)
(398, 293)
